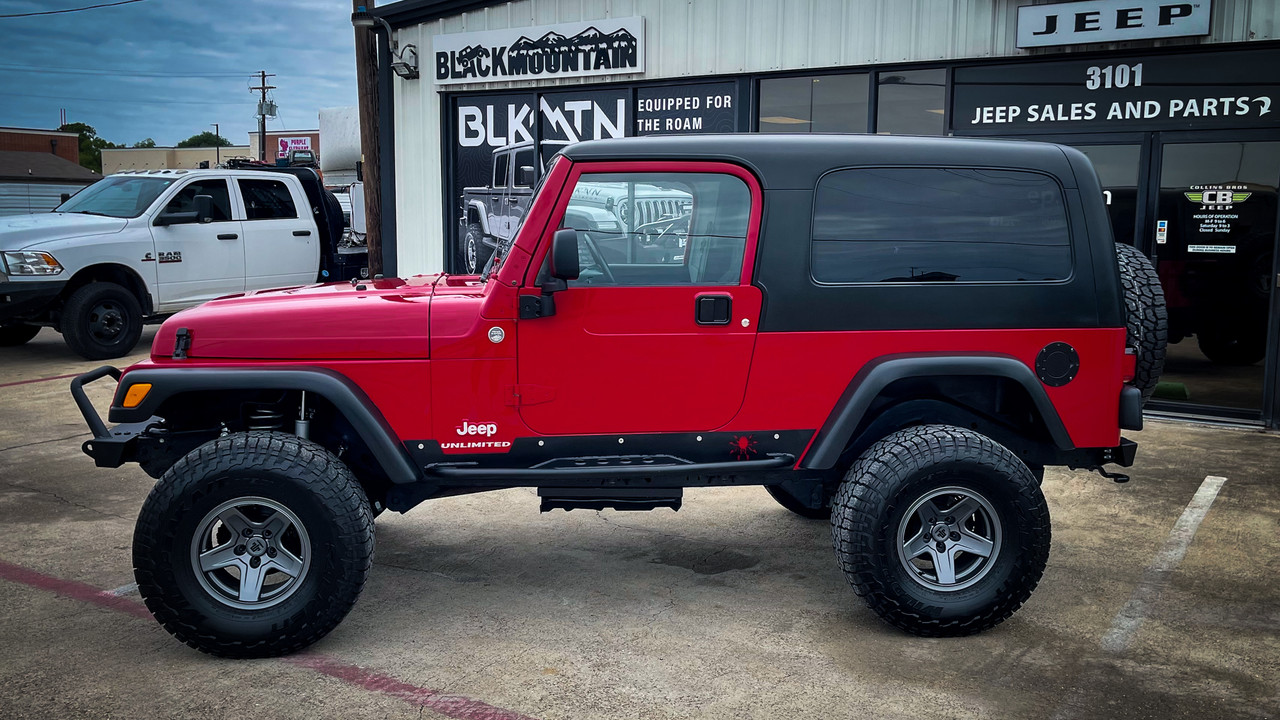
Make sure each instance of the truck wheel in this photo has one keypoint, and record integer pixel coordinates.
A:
(253, 545)
(1146, 318)
(473, 251)
(15, 335)
(101, 320)
(942, 531)
(1233, 346)
(789, 501)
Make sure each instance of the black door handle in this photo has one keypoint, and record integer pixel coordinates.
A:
(301, 233)
(228, 236)
(713, 309)
(513, 201)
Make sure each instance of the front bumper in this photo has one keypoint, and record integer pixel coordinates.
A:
(28, 300)
(109, 447)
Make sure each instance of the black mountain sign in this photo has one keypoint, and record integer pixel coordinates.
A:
(552, 54)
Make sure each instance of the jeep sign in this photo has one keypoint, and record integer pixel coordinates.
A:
(597, 47)
(1101, 21)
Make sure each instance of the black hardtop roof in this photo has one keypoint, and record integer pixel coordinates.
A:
(796, 160)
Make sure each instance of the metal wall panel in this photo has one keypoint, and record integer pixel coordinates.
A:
(708, 37)
(25, 198)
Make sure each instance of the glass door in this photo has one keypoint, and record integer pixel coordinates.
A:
(1214, 246)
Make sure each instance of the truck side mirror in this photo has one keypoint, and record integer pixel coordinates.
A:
(204, 209)
(564, 255)
(524, 176)
(66, 197)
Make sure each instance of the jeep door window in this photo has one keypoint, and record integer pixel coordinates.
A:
(657, 229)
(523, 158)
(267, 200)
(874, 225)
(122, 196)
(185, 200)
(500, 170)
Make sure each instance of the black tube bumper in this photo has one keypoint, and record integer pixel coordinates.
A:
(109, 447)
(28, 300)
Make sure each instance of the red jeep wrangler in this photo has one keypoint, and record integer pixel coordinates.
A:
(899, 334)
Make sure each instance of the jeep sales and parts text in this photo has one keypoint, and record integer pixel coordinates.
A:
(1122, 76)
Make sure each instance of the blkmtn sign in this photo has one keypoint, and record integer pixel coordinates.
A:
(599, 47)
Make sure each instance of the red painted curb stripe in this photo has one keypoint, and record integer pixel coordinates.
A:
(72, 589)
(36, 380)
(454, 706)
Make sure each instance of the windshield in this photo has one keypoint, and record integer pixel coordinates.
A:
(495, 260)
(122, 196)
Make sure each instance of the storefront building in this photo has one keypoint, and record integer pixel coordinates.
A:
(1176, 103)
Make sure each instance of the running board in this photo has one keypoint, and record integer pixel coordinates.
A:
(615, 498)
(620, 466)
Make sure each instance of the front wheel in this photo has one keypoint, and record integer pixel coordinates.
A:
(101, 320)
(942, 531)
(253, 545)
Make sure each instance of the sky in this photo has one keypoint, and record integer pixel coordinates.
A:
(169, 69)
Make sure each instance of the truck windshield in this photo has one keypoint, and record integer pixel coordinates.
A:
(122, 196)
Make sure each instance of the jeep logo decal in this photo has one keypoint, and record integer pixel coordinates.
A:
(485, 429)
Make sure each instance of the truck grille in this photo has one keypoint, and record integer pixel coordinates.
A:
(648, 211)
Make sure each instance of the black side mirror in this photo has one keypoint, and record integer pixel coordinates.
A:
(204, 209)
(564, 255)
(66, 197)
(524, 176)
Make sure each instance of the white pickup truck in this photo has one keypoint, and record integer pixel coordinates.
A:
(137, 246)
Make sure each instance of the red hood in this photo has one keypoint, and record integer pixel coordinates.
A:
(387, 319)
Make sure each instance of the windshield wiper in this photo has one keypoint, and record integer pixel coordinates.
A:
(90, 212)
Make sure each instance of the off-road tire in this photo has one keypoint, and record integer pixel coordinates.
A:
(15, 335)
(1146, 318)
(299, 475)
(472, 252)
(1233, 345)
(789, 501)
(84, 314)
(906, 466)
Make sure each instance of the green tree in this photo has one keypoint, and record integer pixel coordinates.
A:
(205, 139)
(147, 143)
(91, 146)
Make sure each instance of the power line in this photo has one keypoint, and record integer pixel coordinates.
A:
(127, 101)
(68, 10)
(58, 70)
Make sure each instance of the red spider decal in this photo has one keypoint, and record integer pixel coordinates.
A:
(743, 446)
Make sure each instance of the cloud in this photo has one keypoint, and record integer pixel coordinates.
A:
(202, 54)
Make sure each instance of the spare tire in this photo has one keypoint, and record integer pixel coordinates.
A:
(1146, 318)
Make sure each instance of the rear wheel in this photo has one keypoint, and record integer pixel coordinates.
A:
(942, 531)
(473, 253)
(1233, 346)
(14, 335)
(253, 545)
(101, 320)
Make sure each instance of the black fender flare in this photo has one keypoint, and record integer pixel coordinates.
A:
(333, 386)
(866, 385)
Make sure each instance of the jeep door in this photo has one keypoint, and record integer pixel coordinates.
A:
(281, 247)
(645, 343)
(196, 262)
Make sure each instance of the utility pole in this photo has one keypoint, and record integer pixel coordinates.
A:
(262, 87)
(367, 90)
(217, 145)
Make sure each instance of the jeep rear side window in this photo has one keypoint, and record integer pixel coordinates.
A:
(873, 225)
(185, 200)
(652, 229)
(500, 170)
(267, 200)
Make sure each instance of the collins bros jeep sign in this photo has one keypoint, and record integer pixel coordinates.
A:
(599, 47)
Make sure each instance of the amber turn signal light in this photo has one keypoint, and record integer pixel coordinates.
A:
(136, 395)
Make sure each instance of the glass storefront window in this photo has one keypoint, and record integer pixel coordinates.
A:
(1117, 167)
(912, 102)
(825, 103)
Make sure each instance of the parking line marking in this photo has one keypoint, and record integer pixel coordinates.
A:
(36, 380)
(1156, 576)
(454, 706)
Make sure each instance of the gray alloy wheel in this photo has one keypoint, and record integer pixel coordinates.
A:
(251, 553)
(948, 539)
(472, 249)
